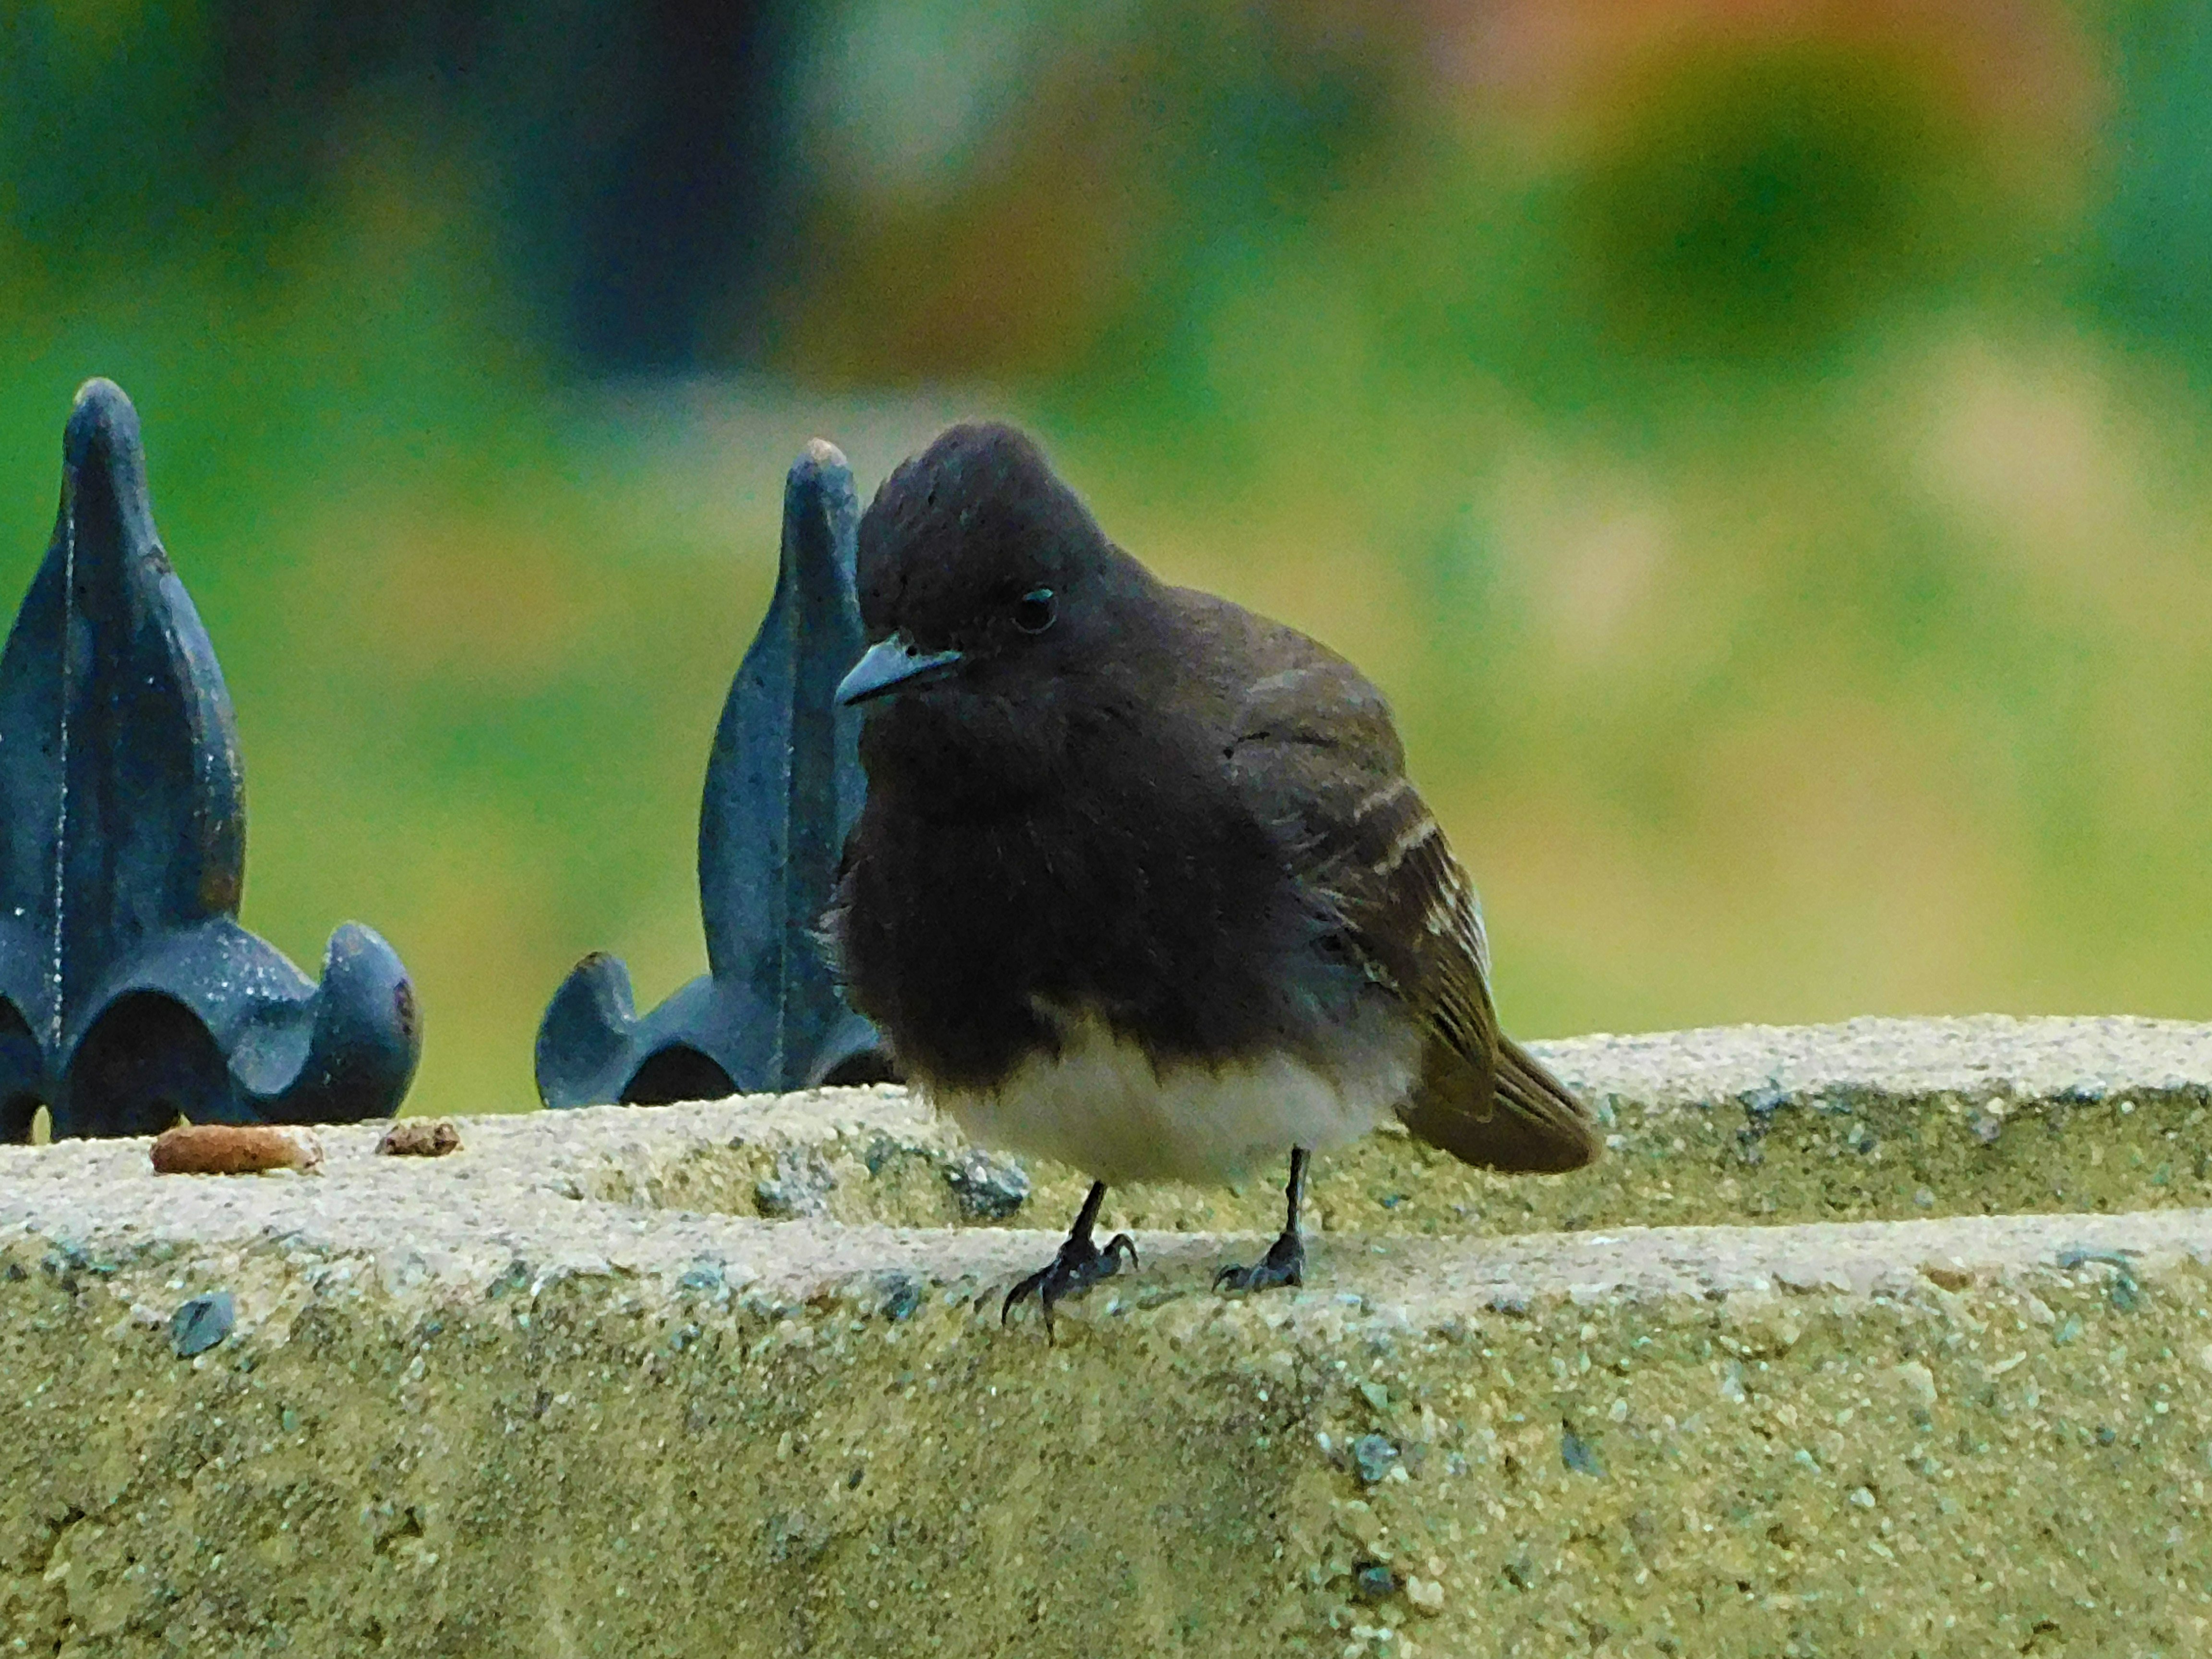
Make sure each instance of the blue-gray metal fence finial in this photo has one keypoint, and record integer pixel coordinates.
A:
(129, 993)
(783, 785)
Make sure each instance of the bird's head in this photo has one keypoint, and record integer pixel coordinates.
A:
(982, 574)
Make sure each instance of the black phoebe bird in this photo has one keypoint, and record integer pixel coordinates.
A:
(1140, 884)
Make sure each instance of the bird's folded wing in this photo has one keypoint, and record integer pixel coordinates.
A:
(1315, 755)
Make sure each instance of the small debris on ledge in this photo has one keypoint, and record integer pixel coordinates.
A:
(1950, 1275)
(234, 1149)
(420, 1137)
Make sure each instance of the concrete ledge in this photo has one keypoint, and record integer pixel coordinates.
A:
(521, 1399)
(1879, 1118)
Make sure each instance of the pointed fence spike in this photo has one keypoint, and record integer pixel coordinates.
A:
(783, 781)
(783, 785)
(129, 993)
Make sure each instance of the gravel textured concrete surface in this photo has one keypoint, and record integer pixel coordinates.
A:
(729, 1379)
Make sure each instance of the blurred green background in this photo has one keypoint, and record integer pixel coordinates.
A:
(1761, 448)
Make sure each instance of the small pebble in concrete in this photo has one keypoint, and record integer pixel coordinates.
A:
(1427, 1595)
(2123, 1294)
(1373, 1457)
(1372, 1581)
(1357, 1521)
(421, 1137)
(800, 1188)
(1766, 1100)
(902, 1296)
(202, 1322)
(1579, 1454)
(987, 1188)
(881, 1151)
(1919, 1382)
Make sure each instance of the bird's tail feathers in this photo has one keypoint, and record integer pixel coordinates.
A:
(1520, 1119)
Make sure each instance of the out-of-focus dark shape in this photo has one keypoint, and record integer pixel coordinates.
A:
(1116, 166)
(672, 214)
(783, 785)
(629, 154)
(2156, 275)
(129, 993)
(1761, 204)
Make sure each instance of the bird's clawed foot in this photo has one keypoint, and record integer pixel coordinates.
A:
(1080, 1265)
(1284, 1264)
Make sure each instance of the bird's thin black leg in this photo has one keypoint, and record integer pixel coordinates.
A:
(1080, 1265)
(1285, 1260)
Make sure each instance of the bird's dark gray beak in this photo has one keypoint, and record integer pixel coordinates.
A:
(890, 665)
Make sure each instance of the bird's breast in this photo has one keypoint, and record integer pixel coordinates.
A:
(1163, 906)
(1099, 1101)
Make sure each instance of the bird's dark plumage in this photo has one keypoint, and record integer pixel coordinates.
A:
(1132, 858)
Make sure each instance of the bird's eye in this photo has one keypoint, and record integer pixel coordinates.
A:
(1035, 611)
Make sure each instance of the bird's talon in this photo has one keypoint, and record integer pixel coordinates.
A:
(1079, 1266)
(1284, 1264)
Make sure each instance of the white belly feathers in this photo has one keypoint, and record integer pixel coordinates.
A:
(1100, 1106)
